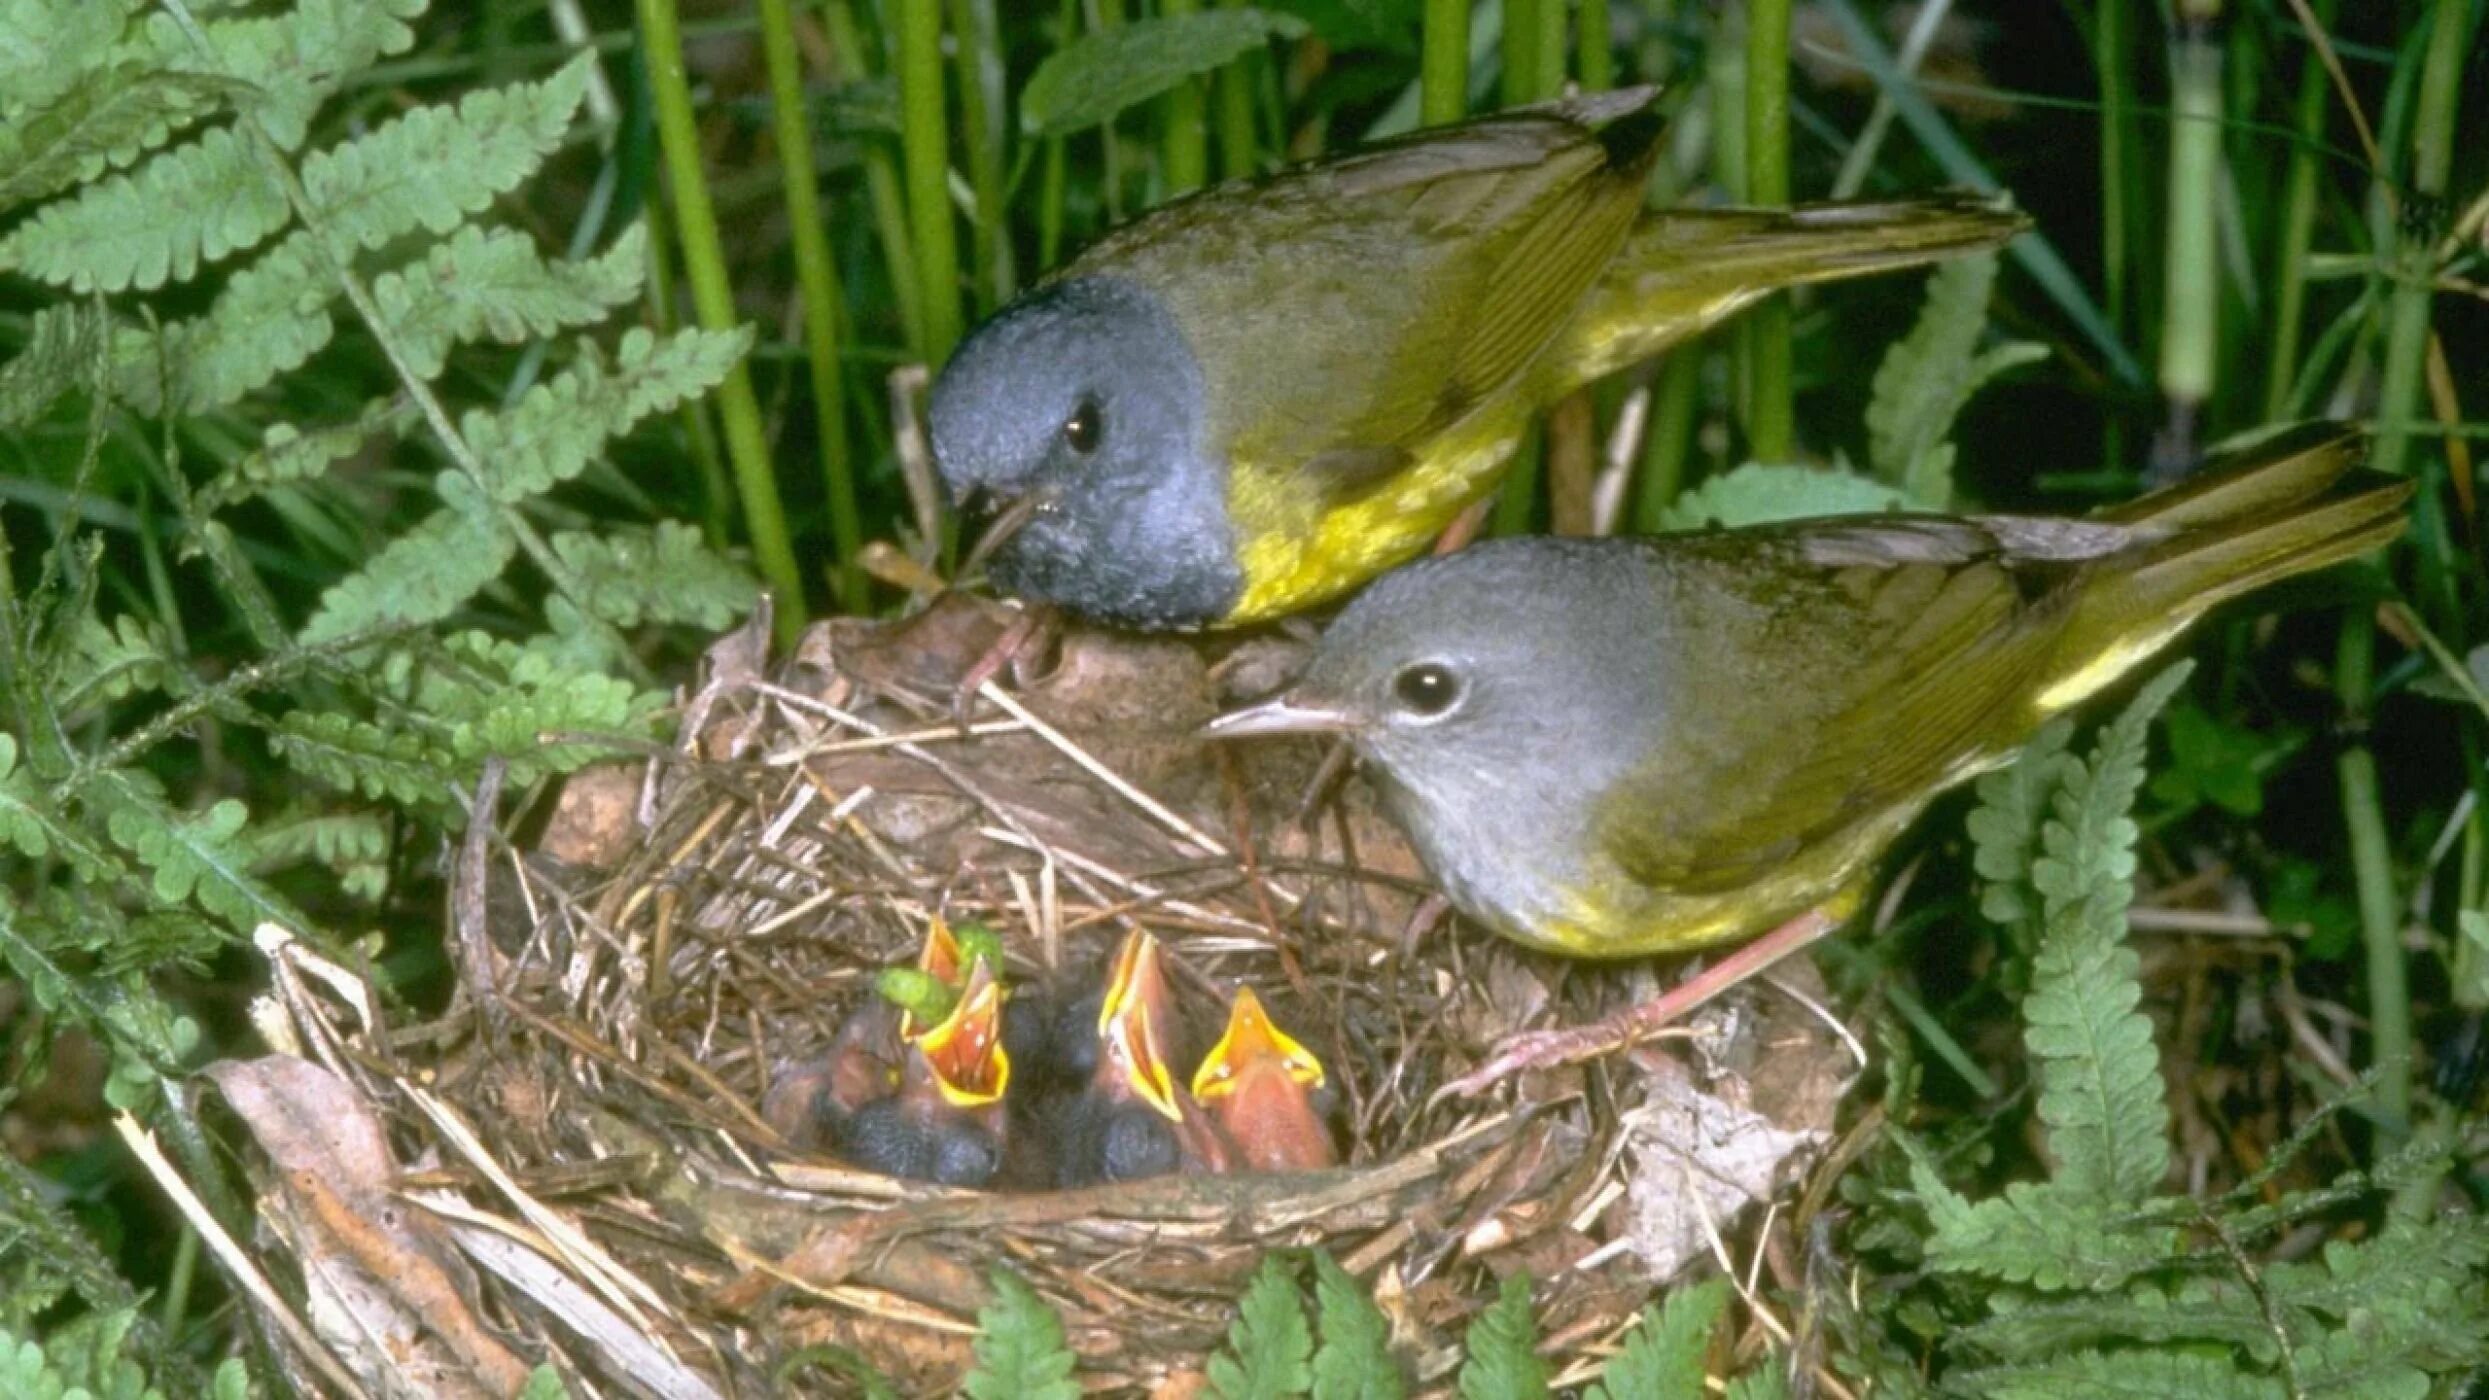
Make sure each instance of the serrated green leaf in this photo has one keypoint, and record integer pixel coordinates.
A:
(2044, 1235)
(1099, 74)
(1270, 1349)
(557, 429)
(290, 61)
(59, 355)
(1353, 1360)
(1928, 375)
(494, 284)
(1767, 1381)
(1759, 493)
(2005, 828)
(102, 664)
(193, 856)
(2099, 1073)
(2129, 1375)
(288, 455)
(30, 824)
(423, 575)
(355, 756)
(1020, 1349)
(1663, 1354)
(193, 204)
(108, 120)
(434, 166)
(48, 47)
(1503, 1361)
(544, 1383)
(665, 575)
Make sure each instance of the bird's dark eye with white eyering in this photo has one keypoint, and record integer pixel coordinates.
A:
(1085, 428)
(1426, 689)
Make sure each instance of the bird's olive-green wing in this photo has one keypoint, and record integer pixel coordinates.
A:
(1346, 312)
(1833, 673)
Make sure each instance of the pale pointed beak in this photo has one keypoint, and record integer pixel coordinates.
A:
(1284, 714)
(1005, 525)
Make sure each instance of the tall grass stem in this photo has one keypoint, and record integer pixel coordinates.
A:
(712, 298)
(824, 300)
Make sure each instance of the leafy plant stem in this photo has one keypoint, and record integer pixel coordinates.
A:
(924, 143)
(824, 300)
(881, 180)
(1521, 61)
(1670, 437)
(716, 506)
(976, 40)
(1234, 93)
(704, 266)
(2380, 919)
(1593, 54)
(2298, 227)
(1771, 427)
(2192, 286)
(1443, 74)
(1185, 143)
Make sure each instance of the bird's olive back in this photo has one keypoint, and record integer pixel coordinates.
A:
(1087, 391)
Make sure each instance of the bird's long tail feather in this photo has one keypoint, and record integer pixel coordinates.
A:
(1683, 270)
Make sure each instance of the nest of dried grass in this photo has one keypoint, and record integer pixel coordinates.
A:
(576, 1162)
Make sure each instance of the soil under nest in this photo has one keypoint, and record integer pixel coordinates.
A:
(586, 1135)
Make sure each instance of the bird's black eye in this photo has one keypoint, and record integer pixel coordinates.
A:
(1427, 688)
(1083, 430)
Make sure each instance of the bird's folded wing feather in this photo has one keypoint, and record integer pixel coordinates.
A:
(1876, 662)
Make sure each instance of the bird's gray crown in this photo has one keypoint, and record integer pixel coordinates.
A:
(1089, 392)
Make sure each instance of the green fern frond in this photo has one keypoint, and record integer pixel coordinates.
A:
(558, 427)
(483, 697)
(1270, 1349)
(1929, 374)
(192, 205)
(2120, 1375)
(1663, 1354)
(436, 165)
(1353, 1360)
(288, 455)
(495, 284)
(665, 575)
(111, 118)
(2215, 1312)
(1767, 1381)
(352, 845)
(2087, 851)
(426, 170)
(353, 755)
(2005, 828)
(290, 61)
(2049, 1238)
(103, 663)
(270, 317)
(197, 856)
(48, 47)
(2099, 1073)
(59, 355)
(1020, 1349)
(35, 829)
(1503, 1361)
(423, 575)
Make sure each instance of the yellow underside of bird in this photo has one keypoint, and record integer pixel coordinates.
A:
(1296, 555)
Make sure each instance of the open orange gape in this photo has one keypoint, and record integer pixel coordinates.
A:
(793, 1033)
